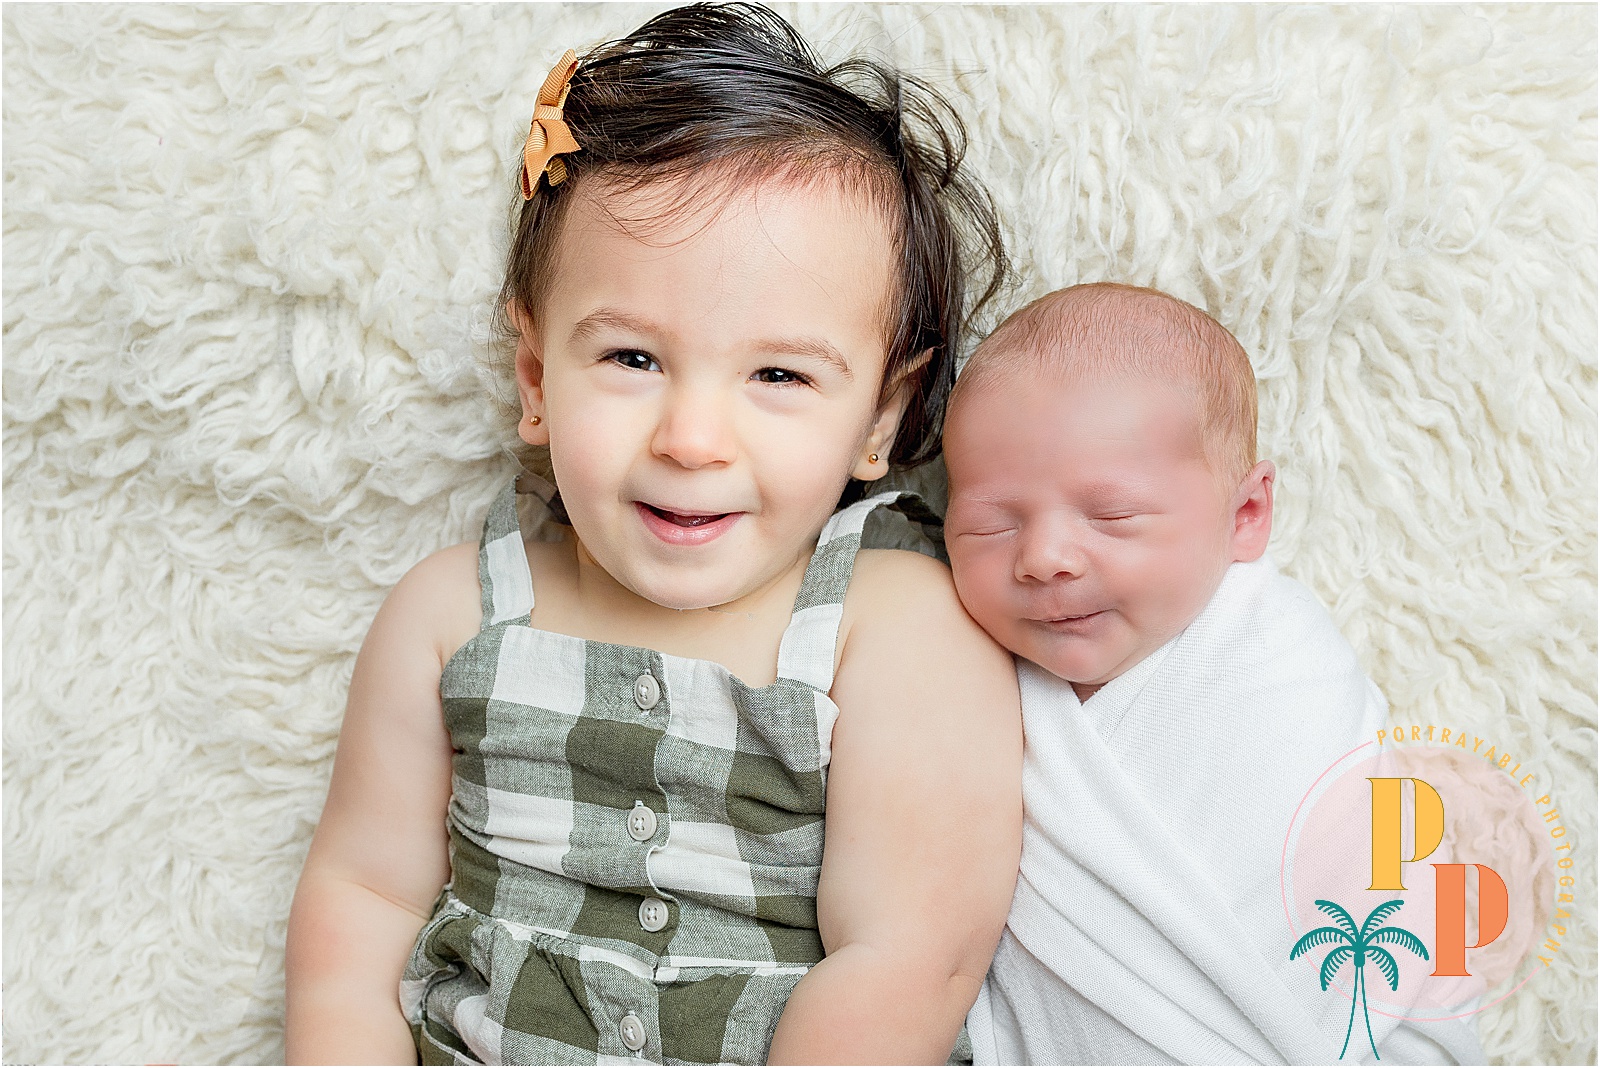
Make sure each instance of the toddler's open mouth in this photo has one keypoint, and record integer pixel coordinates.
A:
(685, 519)
(686, 529)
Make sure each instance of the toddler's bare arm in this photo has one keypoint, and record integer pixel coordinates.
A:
(379, 856)
(924, 825)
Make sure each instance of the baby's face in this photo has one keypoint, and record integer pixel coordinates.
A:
(1085, 527)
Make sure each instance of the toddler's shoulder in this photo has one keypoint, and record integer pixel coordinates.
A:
(438, 600)
(906, 646)
(901, 583)
(902, 604)
(449, 565)
(450, 573)
(900, 563)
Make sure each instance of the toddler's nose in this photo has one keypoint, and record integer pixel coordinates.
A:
(695, 430)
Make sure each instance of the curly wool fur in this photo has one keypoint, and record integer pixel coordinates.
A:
(248, 257)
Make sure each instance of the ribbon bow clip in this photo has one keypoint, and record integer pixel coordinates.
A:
(548, 136)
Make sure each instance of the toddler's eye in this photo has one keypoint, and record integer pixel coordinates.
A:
(778, 376)
(633, 360)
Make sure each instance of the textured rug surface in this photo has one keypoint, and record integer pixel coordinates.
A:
(248, 254)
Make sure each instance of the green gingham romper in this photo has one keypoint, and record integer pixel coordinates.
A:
(635, 838)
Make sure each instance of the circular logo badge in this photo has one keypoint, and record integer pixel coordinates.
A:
(1419, 878)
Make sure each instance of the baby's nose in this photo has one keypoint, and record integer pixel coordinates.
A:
(1046, 552)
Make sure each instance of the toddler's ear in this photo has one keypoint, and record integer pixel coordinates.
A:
(1252, 512)
(530, 377)
(873, 462)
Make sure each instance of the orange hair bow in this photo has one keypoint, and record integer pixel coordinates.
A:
(548, 136)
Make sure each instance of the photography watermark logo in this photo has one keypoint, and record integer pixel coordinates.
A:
(1429, 857)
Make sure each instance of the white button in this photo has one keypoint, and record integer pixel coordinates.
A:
(646, 691)
(641, 822)
(632, 1029)
(653, 914)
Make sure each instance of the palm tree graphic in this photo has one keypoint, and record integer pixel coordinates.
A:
(1358, 946)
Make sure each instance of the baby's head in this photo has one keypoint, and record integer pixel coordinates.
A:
(740, 292)
(1101, 446)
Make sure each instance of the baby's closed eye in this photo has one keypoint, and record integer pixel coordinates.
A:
(1120, 524)
(969, 519)
(978, 523)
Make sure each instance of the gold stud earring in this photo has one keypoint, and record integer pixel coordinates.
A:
(534, 420)
(873, 458)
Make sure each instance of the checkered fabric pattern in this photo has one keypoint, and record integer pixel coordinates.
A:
(635, 838)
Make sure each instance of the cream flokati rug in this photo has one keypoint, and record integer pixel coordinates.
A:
(248, 253)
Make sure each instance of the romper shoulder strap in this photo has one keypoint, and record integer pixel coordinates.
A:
(503, 575)
(809, 642)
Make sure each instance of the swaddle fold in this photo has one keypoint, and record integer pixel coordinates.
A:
(1148, 924)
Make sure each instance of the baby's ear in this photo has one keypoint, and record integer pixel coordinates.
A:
(530, 377)
(873, 462)
(1252, 512)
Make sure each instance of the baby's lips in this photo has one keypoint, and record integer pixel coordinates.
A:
(1057, 617)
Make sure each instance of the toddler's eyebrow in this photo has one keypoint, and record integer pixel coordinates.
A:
(604, 318)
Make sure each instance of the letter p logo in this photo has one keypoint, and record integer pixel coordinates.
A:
(1388, 824)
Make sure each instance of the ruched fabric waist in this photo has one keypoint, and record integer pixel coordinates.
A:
(691, 929)
(578, 1003)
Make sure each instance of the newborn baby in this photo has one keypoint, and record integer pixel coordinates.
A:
(1108, 523)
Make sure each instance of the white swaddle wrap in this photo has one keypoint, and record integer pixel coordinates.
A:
(1148, 925)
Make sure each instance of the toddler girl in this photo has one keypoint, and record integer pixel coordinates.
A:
(735, 286)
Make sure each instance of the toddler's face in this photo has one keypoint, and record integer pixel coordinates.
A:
(708, 383)
(1085, 527)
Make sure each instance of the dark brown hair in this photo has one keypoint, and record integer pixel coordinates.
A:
(730, 93)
